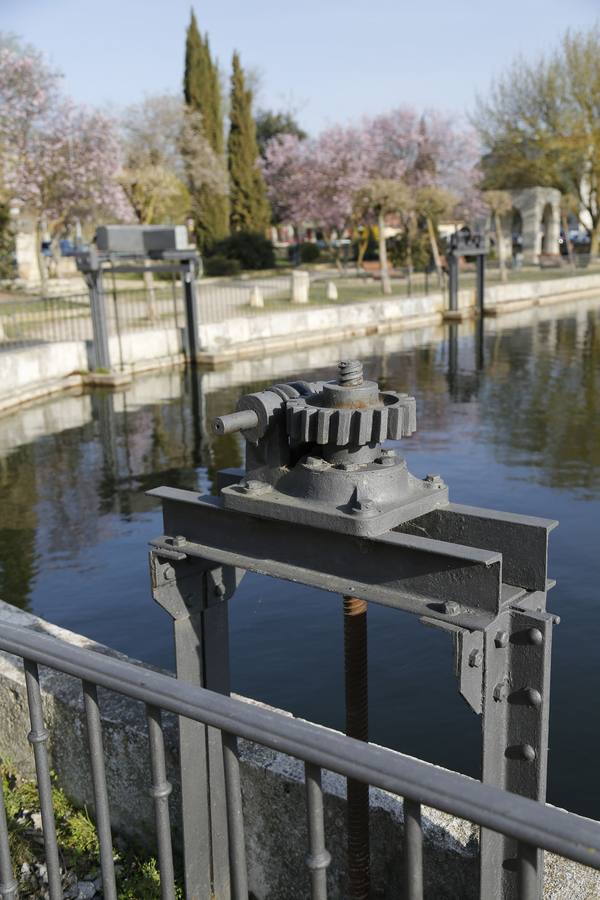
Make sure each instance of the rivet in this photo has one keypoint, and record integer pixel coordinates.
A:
(451, 608)
(535, 636)
(500, 691)
(533, 697)
(475, 659)
(556, 620)
(527, 752)
(501, 639)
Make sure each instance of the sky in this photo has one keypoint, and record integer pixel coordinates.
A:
(330, 61)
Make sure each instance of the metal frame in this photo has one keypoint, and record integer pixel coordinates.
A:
(466, 245)
(93, 264)
(438, 566)
(525, 823)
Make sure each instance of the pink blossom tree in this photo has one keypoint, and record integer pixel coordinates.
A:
(59, 161)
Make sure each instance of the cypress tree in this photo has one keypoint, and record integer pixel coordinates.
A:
(202, 93)
(248, 196)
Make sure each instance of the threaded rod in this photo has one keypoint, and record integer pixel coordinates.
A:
(350, 372)
(357, 726)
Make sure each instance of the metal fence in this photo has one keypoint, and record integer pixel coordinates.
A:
(531, 824)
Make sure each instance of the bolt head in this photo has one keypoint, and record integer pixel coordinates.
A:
(501, 639)
(500, 692)
(169, 573)
(475, 659)
(527, 752)
(178, 540)
(451, 608)
(533, 697)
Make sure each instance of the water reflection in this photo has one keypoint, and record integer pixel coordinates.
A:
(509, 417)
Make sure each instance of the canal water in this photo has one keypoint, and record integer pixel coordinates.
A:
(511, 420)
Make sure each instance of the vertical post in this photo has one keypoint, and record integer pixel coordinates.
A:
(452, 280)
(480, 283)
(98, 309)
(196, 598)
(516, 697)
(191, 307)
(357, 726)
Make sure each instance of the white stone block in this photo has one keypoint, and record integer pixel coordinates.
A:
(332, 291)
(300, 286)
(256, 297)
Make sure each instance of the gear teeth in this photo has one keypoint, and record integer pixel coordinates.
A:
(323, 418)
(380, 424)
(344, 425)
(324, 425)
(365, 425)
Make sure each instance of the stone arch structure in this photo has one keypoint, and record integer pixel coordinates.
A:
(539, 212)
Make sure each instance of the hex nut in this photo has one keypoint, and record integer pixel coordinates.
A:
(475, 659)
(451, 608)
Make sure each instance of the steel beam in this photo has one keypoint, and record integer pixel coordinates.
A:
(522, 540)
(516, 701)
(417, 574)
(196, 598)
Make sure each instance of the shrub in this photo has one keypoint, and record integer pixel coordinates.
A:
(221, 265)
(251, 250)
(309, 252)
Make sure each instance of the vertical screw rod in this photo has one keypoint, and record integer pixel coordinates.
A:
(357, 726)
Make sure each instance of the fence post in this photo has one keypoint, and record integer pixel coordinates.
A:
(453, 280)
(188, 276)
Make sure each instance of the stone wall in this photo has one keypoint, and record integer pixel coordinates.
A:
(272, 788)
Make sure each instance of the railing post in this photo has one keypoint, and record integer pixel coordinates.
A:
(480, 283)
(196, 598)
(191, 308)
(515, 736)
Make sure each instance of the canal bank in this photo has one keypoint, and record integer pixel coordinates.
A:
(43, 368)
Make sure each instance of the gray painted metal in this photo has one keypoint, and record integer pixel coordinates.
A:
(528, 821)
(413, 851)
(318, 857)
(160, 793)
(200, 623)
(466, 245)
(101, 807)
(235, 819)
(515, 732)
(408, 572)
(141, 240)
(191, 309)
(38, 738)
(522, 540)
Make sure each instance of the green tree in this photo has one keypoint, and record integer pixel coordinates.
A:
(270, 124)
(7, 242)
(249, 207)
(540, 124)
(203, 95)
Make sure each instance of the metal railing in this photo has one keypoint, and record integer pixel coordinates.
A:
(532, 824)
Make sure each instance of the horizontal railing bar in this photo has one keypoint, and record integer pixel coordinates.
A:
(526, 820)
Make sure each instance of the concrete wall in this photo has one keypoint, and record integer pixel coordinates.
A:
(273, 795)
(32, 372)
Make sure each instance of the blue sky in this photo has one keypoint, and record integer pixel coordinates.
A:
(332, 60)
